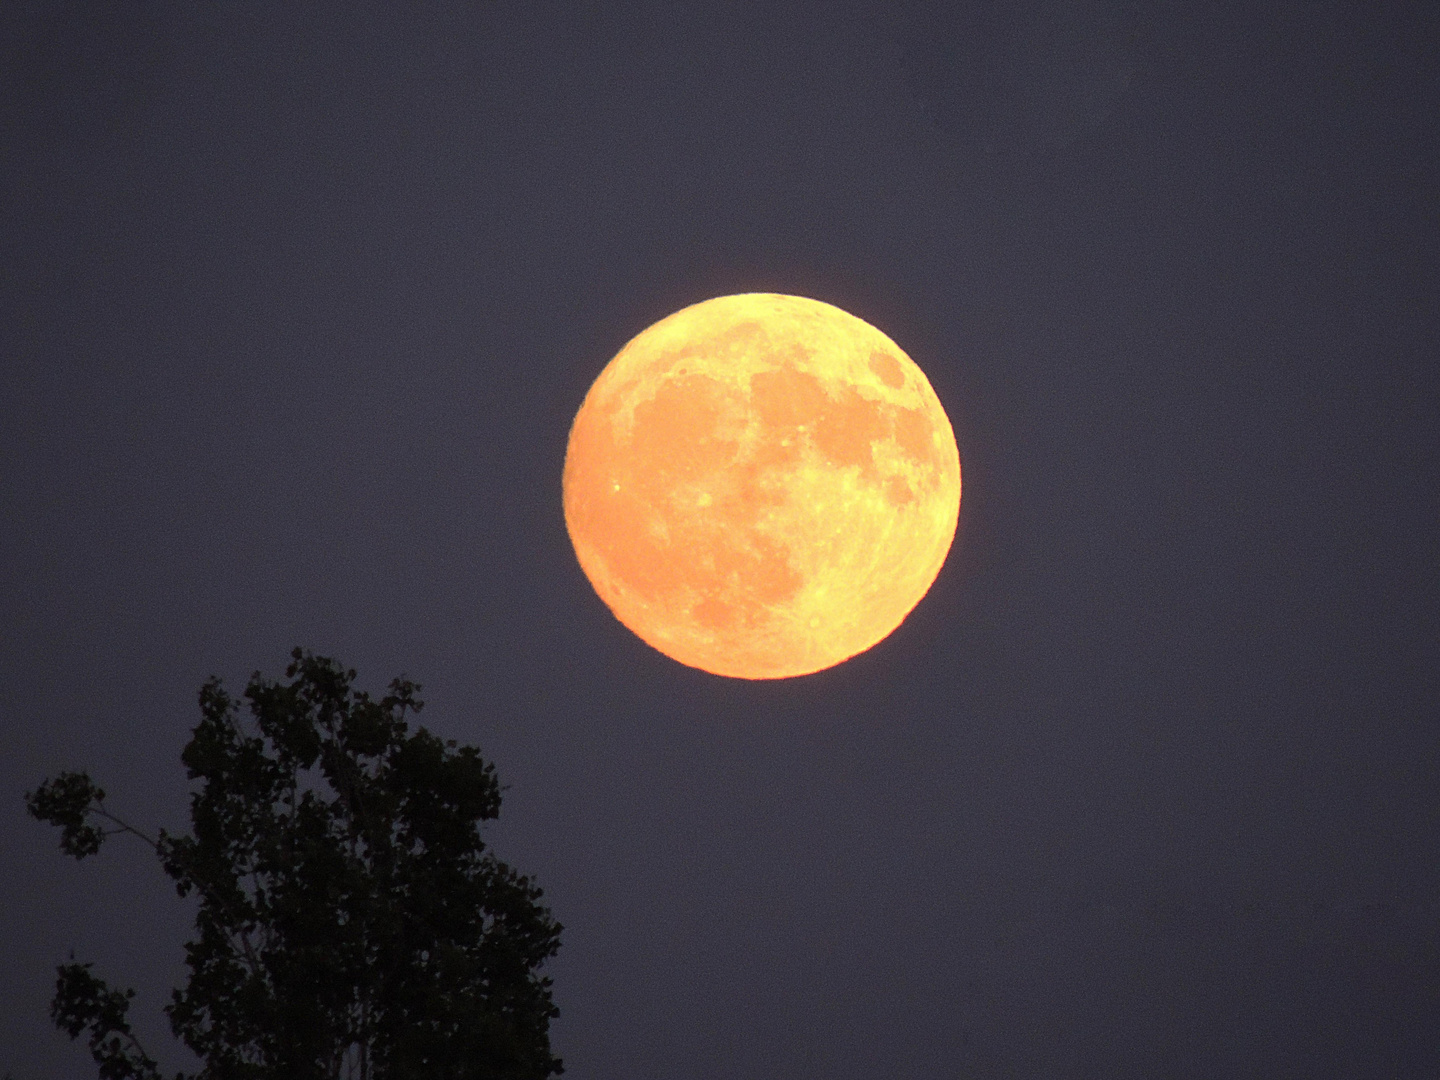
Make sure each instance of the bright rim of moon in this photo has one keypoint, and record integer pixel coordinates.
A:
(761, 486)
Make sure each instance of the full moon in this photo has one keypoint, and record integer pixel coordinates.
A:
(761, 486)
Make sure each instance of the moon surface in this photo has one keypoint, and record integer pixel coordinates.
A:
(761, 486)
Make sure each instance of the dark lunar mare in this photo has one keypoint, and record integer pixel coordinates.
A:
(351, 921)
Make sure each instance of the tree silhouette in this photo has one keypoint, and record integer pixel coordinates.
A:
(351, 922)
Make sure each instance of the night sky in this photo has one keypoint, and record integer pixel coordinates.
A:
(297, 302)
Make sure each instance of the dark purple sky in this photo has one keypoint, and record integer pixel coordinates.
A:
(297, 302)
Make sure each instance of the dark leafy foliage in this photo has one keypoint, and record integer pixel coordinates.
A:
(84, 1002)
(351, 920)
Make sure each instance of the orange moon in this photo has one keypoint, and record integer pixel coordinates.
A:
(761, 486)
